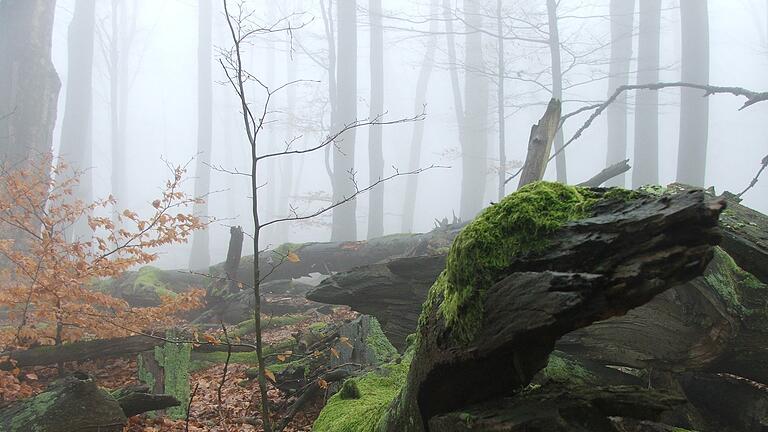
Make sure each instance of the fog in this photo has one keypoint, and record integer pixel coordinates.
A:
(160, 74)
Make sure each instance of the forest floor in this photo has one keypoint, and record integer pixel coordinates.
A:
(239, 406)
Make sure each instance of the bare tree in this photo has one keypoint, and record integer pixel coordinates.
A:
(375, 156)
(243, 28)
(622, 28)
(646, 166)
(420, 99)
(200, 257)
(76, 128)
(557, 83)
(694, 109)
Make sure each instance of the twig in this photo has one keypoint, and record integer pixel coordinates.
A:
(189, 407)
(752, 183)
(226, 363)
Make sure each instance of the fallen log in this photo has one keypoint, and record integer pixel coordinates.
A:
(607, 174)
(138, 399)
(96, 349)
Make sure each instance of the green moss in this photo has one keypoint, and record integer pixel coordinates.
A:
(248, 326)
(33, 409)
(145, 375)
(379, 344)
(729, 281)
(148, 279)
(563, 370)
(174, 358)
(655, 190)
(349, 390)
(203, 360)
(317, 327)
(480, 254)
(377, 390)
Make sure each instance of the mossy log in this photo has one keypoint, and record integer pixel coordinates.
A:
(74, 403)
(137, 399)
(97, 349)
(543, 262)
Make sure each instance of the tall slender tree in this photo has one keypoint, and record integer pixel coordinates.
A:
(475, 144)
(501, 69)
(344, 221)
(375, 155)
(557, 83)
(200, 257)
(419, 100)
(646, 167)
(29, 85)
(622, 13)
(694, 109)
(76, 128)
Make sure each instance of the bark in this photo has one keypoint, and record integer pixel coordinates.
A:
(646, 166)
(74, 403)
(375, 155)
(234, 253)
(200, 255)
(694, 109)
(474, 146)
(420, 100)
(344, 219)
(540, 144)
(622, 13)
(577, 280)
(29, 85)
(76, 128)
(557, 84)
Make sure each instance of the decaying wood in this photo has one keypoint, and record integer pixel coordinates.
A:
(234, 253)
(138, 399)
(607, 174)
(577, 280)
(540, 144)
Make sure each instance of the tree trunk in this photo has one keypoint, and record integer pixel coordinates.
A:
(694, 109)
(557, 84)
(420, 99)
(646, 166)
(540, 144)
(234, 252)
(344, 219)
(502, 174)
(622, 29)
(76, 128)
(474, 147)
(375, 156)
(29, 85)
(200, 256)
(120, 44)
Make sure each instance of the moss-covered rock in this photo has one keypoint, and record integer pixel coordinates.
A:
(376, 390)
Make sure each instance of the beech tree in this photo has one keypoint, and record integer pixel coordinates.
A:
(694, 109)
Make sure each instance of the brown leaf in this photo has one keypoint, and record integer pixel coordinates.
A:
(292, 257)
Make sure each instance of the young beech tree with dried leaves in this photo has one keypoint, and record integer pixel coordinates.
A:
(49, 283)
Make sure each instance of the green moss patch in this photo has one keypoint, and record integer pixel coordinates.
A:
(481, 253)
(730, 282)
(202, 360)
(377, 390)
(563, 370)
(148, 280)
(379, 344)
(248, 326)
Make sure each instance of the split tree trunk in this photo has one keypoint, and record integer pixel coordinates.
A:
(540, 144)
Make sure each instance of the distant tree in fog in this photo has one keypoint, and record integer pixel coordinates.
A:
(557, 82)
(694, 109)
(200, 257)
(375, 155)
(622, 29)
(646, 167)
(76, 129)
(344, 217)
(419, 100)
(29, 85)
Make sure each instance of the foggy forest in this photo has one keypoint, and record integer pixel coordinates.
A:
(383, 215)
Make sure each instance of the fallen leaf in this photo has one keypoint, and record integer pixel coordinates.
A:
(292, 257)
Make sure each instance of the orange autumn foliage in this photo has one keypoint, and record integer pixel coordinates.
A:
(47, 280)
